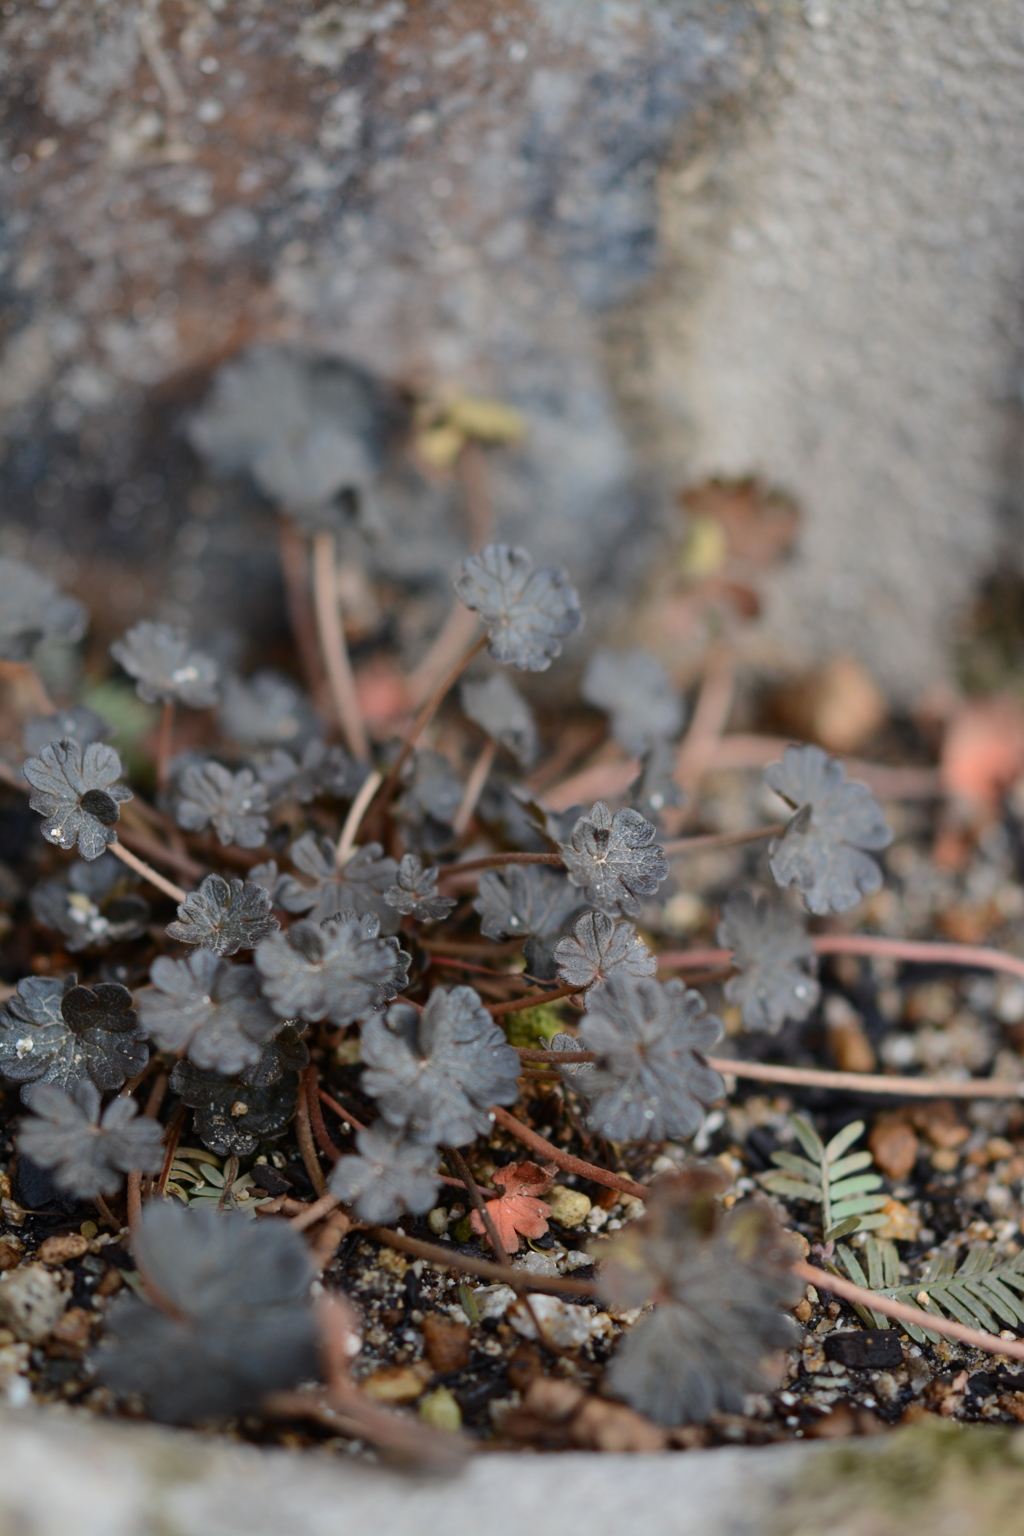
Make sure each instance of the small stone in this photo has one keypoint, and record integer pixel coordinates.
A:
(537, 1263)
(850, 1046)
(31, 1301)
(492, 1300)
(893, 1146)
(901, 1224)
(110, 1284)
(393, 1262)
(562, 1324)
(72, 1330)
(941, 1124)
(865, 1349)
(61, 1250)
(11, 1251)
(945, 1160)
(802, 1311)
(446, 1342)
(569, 1207)
(799, 1242)
(14, 1361)
(13, 1213)
(437, 1220)
(397, 1383)
(441, 1410)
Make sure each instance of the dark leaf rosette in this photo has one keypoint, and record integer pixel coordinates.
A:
(599, 947)
(528, 612)
(824, 849)
(655, 790)
(340, 969)
(88, 1155)
(165, 667)
(774, 956)
(76, 792)
(388, 1176)
(635, 690)
(435, 1074)
(652, 1081)
(233, 804)
(233, 1115)
(265, 710)
(614, 860)
(80, 724)
(497, 707)
(95, 907)
(719, 1283)
(225, 916)
(58, 1032)
(32, 609)
(208, 1009)
(414, 892)
(527, 901)
(358, 887)
(318, 770)
(245, 1322)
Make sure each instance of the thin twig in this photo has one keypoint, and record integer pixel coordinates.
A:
(107, 1214)
(497, 861)
(310, 1087)
(307, 1146)
(331, 633)
(141, 868)
(472, 467)
(156, 1097)
(469, 1184)
(710, 717)
(174, 1131)
(711, 840)
(454, 635)
(533, 1000)
(292, 547)
(134, 1197)
(866, 1082)
(565, 1160)
(518, 1279)
(474, 787)
(157, 853)
(930, 1322)
(315, 1212)
(339, 1109)
(356, 811)
(914, 951)
(426, 714)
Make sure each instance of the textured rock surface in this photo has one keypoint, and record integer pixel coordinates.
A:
(838, 307)
(683, 236)
(445, 196)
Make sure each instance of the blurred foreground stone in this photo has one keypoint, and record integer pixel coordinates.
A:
(60, 1473)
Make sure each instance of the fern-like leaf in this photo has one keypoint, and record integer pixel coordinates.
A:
(979, 1292)
(830, 1176)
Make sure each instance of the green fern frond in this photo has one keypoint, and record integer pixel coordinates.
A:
(979, 1292)
(830, 1176)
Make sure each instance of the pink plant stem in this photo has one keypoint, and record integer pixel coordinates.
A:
(922, 951)
(167, 886)
(865, 1082)
(929, 1321)
(538, 1143)
(331, 634)
(498, 861)
(475, 786)
(339, 1110)
(708, 841)
(534, 1000)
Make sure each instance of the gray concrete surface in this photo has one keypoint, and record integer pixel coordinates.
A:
(59, 1475)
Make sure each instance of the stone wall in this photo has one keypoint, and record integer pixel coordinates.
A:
(681, 236)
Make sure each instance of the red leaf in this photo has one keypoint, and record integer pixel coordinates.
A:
(517, 1210)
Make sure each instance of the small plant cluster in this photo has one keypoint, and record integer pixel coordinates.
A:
(453, 947)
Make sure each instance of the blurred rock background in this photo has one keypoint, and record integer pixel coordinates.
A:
(682, 238)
